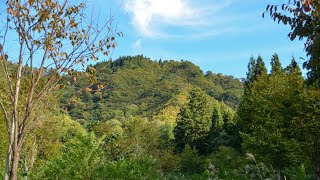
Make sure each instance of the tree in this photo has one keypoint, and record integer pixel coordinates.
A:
(275, 65)
(269, 130)
(307, 128)
(260, 69)
(255, 70)
(250, 75)
(222, 129)
(52, 37)
(83, 158)
(303, 17)
(293, 67)
(193, 121)
(251, 69)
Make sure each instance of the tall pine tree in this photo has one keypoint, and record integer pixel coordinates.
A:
(251, 70)
(275, 65)
(193, 121)
(260, 69)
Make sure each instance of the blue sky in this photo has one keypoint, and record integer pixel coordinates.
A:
(220, 36)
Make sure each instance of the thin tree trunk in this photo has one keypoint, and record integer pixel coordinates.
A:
(9, 153)
(14, 124)
(278, 168)
(15, 162)
(316, 159)
(8, 162)
(278, 174)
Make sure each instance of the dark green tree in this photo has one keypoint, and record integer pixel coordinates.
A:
(293, 67)
(250, 75)
(275, 65)
(307, 128)
(193, 121)
(255, 69)
(260, 69)
(251, 69)
(223, 131)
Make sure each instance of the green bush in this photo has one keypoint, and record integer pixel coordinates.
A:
(191, 162)
(82, 158)
(131, 168)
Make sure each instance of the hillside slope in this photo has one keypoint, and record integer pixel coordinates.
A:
(136, 85)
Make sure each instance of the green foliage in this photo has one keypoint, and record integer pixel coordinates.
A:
(257, 170)
(277, 119)
(251, 70)
(267, 118)
(109, 128)
(307, 129)
(138, 86)
(256, 69)
(166, 136)
(298, 172)
(260, 70)
(275, 65)
(133, 138)
(223, 129)
(3, 144)
(144, 168)
(190, 162)
(81, 158)
(193, 121)
(43, 145)
(168, 162)
(226, 162)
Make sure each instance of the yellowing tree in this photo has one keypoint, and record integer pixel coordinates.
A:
(50, 38)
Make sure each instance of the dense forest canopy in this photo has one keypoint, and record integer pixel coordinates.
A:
(136, 85)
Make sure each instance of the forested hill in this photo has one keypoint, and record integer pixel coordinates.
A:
(136, 85)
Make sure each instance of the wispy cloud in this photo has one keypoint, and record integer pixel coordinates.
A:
(152, 18)
(137, 45)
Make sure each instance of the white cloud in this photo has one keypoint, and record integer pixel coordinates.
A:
(152, 17)
(137, 44)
